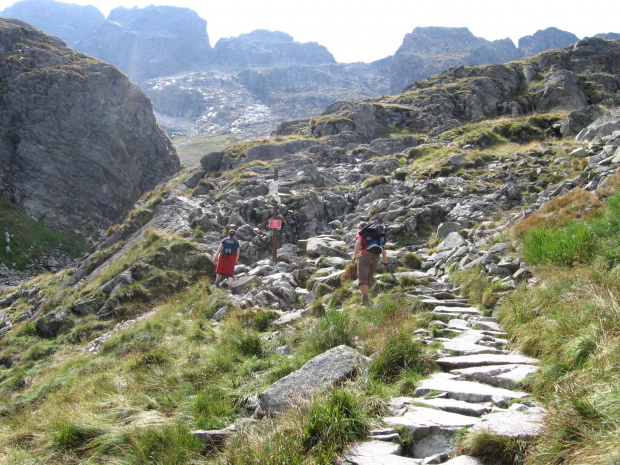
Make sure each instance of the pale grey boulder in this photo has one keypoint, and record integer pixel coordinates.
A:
(315, 376)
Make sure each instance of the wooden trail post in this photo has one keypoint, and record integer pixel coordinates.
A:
(275, 223)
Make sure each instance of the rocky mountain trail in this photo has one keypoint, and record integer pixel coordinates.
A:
(320, 216)
(479, 390)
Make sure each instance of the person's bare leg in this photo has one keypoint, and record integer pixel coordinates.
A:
(364, 291)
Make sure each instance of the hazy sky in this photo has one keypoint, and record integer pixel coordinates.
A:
(364, 30)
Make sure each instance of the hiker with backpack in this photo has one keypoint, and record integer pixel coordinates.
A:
(369, 242)
(226, 258)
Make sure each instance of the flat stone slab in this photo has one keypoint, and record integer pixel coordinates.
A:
(443, 302)
(487, 325)
(506, 376)
(434, 431)
(456, 406)
(460, 347)
(467, 391)
(473, 336)
(455, 309)
(512, 423)
(467, 361)
(376, 453)
(419, 419)
(464, 460)
(458, 323)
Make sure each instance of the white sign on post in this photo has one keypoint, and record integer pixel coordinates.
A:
(273, 187)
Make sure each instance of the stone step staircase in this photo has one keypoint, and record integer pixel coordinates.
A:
(478, 389)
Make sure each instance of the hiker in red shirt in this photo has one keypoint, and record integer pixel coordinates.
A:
(369, 254)
(226, 258)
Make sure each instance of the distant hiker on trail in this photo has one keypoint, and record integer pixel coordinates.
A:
(226, 258)
(369, 242)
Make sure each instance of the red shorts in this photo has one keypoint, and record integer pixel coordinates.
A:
(226, 265)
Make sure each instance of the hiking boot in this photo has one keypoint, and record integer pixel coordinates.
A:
(365, 300)
(217, 283)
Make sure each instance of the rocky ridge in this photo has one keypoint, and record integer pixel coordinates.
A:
(560, 80)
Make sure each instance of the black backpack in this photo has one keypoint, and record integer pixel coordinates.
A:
(375, 237)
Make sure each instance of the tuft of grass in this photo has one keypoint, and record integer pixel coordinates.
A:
(70, 435)
(213, 407)
(399, 353)
(165, 445)
(332, 329)
(494, 449)
(316, 433)
(374, 181)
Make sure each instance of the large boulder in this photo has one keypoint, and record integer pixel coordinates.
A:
(317, 375)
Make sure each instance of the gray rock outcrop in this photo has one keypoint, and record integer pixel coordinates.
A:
(79, 143)
(559, 80)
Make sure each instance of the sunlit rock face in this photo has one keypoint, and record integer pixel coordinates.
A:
(79, 143)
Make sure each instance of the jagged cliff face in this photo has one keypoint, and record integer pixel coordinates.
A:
(251, 103)
(152, 41)
(78, 142)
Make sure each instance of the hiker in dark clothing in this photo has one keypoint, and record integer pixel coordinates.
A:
(226, 258)
(368, 260)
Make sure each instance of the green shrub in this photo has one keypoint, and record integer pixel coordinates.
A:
(332, 422)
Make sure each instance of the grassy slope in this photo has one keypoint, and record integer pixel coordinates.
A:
(572, 322)
(190, 152)
(31, 239)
